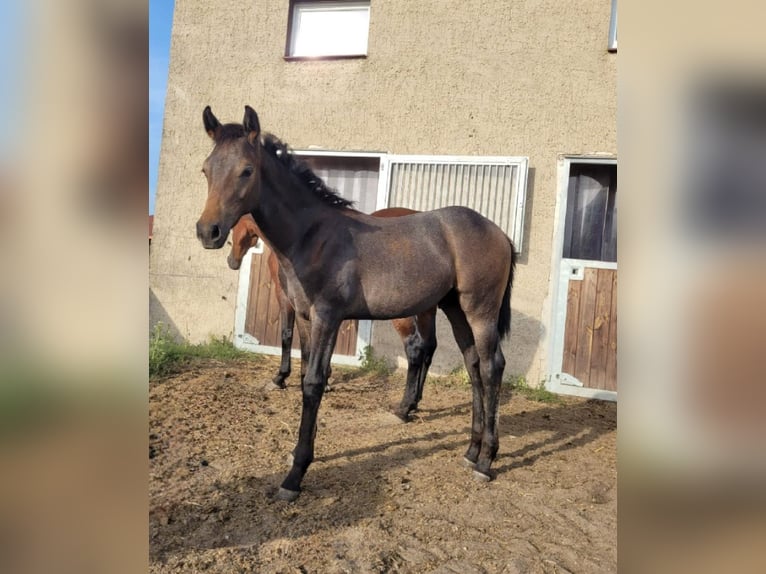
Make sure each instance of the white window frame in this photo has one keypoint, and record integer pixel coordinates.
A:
(326, 6)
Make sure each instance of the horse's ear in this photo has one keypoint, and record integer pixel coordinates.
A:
(252, 125)
(211, 122)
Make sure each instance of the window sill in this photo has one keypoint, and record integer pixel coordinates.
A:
(322, 58)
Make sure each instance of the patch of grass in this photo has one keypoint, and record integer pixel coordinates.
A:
(167, 356)
(220, 348)
(458, 377)
(539, 394)
(372, 364)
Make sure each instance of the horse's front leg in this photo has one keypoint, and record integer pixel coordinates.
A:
(323, 335)
(304, 334)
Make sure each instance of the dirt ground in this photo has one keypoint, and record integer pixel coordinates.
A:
(381, 496)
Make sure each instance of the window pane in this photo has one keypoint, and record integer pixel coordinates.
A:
(591, 219)
(355, 178)
(330, 29)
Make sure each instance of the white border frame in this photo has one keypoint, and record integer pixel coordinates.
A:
(561, 271)
(246, 341)
(300, 8)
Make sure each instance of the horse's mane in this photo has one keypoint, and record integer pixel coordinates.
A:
(284, 155)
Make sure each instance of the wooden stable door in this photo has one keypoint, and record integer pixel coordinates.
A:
(590, 333)
(262, 321)
(585, 324)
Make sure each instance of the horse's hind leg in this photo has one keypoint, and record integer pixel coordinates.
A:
(287, 321)
(413, 348)
(465, 341)
(491, 366)
(426, 322)
(418, 335)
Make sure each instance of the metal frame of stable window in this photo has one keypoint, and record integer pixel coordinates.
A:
(555, 380)
(245, 341)
(519, 162)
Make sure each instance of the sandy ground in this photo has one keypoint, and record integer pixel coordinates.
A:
(381, 496)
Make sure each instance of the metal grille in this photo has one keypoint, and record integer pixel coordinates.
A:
(495, 187)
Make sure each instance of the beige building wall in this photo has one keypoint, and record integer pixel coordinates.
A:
(468, 77)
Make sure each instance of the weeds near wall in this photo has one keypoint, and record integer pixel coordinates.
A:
(372, 364)
(539, 394)
(167, 356)
(457, 377)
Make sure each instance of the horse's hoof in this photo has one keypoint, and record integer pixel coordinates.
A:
(327, 388)
(401, 418)
(390, 418)
(468, 463)
(272, 386)
(287, 495)
(481, 477)
(290, 459)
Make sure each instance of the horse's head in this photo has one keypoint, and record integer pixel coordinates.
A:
(244, 235)
(233, 172)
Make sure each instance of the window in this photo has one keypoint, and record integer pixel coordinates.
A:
(320, 29)
(493, 186)
(590, 230)
(355, 177)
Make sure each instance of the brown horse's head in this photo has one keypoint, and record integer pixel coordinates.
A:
(233, 176)
(244, 235)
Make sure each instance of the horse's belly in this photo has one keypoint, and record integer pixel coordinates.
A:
(391, 296)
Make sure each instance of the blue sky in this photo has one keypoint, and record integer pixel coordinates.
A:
(12, 21)
(160, 23)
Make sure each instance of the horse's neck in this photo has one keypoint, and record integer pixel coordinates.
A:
(286, 210)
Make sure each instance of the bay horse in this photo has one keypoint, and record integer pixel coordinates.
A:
(341, 264)
(418, 333)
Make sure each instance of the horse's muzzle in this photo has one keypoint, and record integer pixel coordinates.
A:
(233, 262)
(211, 235)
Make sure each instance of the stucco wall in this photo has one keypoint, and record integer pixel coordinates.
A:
(465, 77)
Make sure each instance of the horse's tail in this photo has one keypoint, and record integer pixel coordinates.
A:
(504, 319)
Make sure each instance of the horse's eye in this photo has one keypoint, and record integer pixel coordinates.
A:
(247, 172)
